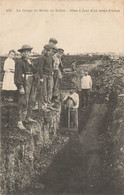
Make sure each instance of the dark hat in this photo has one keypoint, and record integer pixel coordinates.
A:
(25, 47)
(47, 47)
(54, 48)
(53, 40)
(60, 50)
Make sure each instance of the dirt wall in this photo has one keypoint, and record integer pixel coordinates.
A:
(24, 153)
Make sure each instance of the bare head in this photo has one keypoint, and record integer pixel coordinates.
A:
(12, 54)
(71, 91)
(85, 72)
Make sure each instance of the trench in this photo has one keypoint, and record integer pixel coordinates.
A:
(79, 167)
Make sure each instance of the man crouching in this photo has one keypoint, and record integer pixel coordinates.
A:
(24, 80)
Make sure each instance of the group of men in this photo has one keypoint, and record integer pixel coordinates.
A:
(49, 70)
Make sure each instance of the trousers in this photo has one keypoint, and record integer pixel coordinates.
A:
(85, 97)
(26, 101)
(73, 117)
(47, 88)
(56, 80)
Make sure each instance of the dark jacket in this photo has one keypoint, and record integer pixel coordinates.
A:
(22, 67)
(45, 65)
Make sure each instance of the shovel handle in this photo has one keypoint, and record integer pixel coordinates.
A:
(68, 118)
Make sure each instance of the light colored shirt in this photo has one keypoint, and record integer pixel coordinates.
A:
(8, 80)
(75, 98)
(56, 62)
(86, 82)
(9, 65)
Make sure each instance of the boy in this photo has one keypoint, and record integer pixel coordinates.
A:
(24, 80)
(45, 66)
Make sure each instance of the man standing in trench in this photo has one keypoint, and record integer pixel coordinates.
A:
(71, 101)
(24, 80)
(86, 86)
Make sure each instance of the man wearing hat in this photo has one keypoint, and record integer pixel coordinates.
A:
(60, 52)
(24, 80)
(71, 101)
(53, 50)
(45, 66)
(58, 70)
(52, 41)
(73, 65)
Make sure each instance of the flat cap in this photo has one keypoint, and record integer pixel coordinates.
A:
(54, 48)
(47, 47)
(25, 47)
(53, 40)
(60, 50)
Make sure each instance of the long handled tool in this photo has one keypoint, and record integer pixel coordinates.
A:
(68, 118)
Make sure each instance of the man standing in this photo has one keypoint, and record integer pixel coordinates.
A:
(52, 41)
(45, 66)
(72, 103)
(58, 70)
(73, 65)
(24, 80)
(86, 86)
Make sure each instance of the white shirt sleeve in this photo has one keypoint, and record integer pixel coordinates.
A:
(66, 96)
(81, 81)
(77, 100)
(90, 82)
(6, 66)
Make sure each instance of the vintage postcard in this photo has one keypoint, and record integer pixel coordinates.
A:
(62, 97)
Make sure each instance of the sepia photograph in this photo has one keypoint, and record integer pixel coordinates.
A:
(62, 97)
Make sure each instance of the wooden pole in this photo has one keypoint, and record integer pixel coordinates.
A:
(68, 118)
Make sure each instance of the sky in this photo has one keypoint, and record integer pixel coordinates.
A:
(76, 32)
